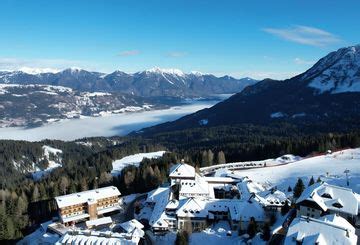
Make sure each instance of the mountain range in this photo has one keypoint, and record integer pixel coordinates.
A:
(327, 92)
(148, 83)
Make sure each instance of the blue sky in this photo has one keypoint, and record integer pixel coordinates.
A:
(260, 39)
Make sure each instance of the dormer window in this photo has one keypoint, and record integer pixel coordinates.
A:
(326, 195)
(337, 205)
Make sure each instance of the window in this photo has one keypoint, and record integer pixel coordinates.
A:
(337, 205)
(326, 195)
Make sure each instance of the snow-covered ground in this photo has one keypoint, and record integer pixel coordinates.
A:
(134, 160)
(40, 236)
(217, 234)
(220, 168)
(329, 168)
(48, 150)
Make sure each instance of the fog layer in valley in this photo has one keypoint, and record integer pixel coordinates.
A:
(119, 124)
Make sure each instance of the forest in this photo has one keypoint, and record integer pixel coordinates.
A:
(25, 202)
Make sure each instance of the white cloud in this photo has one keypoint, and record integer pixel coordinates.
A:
(176, 54)
(129, 53)
(300, 61)
(305, 35)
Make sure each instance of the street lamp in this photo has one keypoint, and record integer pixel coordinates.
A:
(347, 171)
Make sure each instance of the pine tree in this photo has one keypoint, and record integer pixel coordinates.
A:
(318, 180)
(10, 229)
(35, 194)
(289, 189)
(285, 209)
(266, 232)
(221, 157)
(299, 188)
(252, 227)
(84, 185)
(182, 238)
(210, 156)
(3, 230)
(64, 184)
(312, 181)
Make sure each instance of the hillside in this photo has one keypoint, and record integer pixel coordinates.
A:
(148, 83)
(326, 94)
(33, 104)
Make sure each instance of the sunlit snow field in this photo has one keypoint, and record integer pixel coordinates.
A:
(329, 168)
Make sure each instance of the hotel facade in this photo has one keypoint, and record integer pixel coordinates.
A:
(87, 205)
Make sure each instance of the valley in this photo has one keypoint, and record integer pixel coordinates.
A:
(109, 124)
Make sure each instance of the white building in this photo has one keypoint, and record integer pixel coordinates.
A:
(181, 171)
(88, 204)
(321, 199)
(329, 229)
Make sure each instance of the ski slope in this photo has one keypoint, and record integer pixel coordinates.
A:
(134, 160)
(329, 168)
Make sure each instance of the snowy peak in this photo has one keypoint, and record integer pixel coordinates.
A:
(170, 71)
(37, 71)
(338, 72)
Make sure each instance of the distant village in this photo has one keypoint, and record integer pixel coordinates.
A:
(317, 213)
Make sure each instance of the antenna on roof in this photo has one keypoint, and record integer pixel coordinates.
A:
(347, 171)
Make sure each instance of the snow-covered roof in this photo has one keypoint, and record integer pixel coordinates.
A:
(155, 195)
(329, 229)
(193, 207)
(161, 198)
(224, 180)
(131, 225)
(245, 210)
(100, 221)
(198, 186)
(172, 204)
(331, 197)
(104, 238)
(182, 170)
(86, 196)
(272, 198)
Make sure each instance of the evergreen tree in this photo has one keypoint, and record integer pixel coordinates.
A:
(221, 157)
(182, 238)
(312, 181)
(64, 184)
(299, 188)
(35, 194)
(84, 185)
(252, 227)
(266, 232)
(3, 230)
(289, 189)
(318, 180)
(285, 209)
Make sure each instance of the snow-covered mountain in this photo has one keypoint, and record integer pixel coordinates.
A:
(337, 72)
(327, 95)
(35, 104)
(151, 82)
